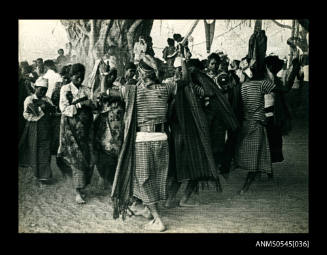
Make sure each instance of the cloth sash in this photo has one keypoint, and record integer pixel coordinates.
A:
(122, 190)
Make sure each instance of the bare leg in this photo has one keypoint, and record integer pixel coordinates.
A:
(271, 175)
(248, 181)
(190, 188)
(139, 209)
(79, 196)
(173, 188)
(156, 224)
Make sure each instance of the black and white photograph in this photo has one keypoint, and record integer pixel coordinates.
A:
(163, 126)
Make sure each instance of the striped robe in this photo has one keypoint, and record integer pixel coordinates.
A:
(253, 152)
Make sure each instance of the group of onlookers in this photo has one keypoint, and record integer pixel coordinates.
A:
(157, 125)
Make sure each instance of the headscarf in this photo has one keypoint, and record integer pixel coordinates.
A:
(147, 67)
(77, 68)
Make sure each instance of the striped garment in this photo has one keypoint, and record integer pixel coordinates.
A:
(253, 152)
(253, 98)
(151, 171)
(152, 103)
(152, 157)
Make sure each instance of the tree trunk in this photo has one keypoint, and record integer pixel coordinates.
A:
(87, 35)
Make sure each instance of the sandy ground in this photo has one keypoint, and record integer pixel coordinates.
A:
(277, 206)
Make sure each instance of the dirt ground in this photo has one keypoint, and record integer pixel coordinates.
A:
(276, 206)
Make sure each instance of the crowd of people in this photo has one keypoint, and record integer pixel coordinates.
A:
(157, 126)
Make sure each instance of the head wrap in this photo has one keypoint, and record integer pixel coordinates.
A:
(77, 68)
(130, 65)
(274, 63)
(148, 67)
(177, 37)
(41, 82)
(195, 62)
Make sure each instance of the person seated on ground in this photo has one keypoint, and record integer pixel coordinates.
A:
(128, 78)
(34, 147)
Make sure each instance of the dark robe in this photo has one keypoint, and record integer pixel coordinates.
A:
(191, 151)
(219, 114)
(34, 147)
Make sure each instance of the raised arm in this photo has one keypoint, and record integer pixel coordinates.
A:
(293, 72)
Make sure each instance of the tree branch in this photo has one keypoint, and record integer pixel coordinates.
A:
(83, 29)
(130, 36)
(134, 25)
(281, 25)
(103, 32)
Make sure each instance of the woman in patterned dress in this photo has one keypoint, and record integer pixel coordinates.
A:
(76, 130)
(108, 126)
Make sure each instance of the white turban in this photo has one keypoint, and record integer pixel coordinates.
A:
(41, 82)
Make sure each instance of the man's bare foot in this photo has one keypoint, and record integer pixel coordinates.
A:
(141, 210)
(186, 203)
(171, 203)
(155, 225)
(79, 199)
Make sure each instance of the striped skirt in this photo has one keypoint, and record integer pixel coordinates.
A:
(150, 179)
(253, 152)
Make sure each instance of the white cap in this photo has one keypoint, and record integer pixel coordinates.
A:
(41, 82)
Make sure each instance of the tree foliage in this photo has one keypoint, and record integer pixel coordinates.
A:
(91, 36)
